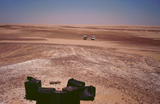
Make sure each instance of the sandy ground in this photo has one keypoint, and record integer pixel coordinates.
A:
(123, 63)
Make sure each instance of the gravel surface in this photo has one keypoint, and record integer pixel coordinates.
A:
(119, 77)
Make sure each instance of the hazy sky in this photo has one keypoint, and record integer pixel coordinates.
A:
(109, 12)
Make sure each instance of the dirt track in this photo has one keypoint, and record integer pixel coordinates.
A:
(119, 77)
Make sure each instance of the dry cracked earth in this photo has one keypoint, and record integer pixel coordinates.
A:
(119, 78)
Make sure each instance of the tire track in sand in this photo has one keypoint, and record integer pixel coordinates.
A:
(84, 51)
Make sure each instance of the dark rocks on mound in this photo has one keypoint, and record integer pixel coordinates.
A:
(72, 94)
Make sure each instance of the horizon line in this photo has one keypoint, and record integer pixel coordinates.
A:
(72, 24)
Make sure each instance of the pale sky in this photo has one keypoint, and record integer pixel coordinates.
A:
(106, 12)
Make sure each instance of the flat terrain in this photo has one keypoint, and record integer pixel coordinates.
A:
(123, 63)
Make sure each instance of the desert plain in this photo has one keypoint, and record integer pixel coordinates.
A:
(123, 62)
